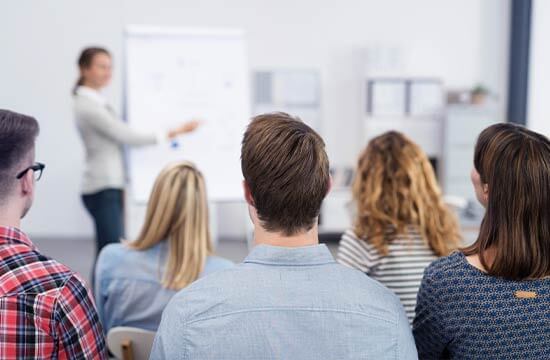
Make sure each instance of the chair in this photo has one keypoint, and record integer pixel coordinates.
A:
(129, 343)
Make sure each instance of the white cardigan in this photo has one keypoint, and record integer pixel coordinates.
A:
(104, 135)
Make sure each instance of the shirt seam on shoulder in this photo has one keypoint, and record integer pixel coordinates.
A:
(69, 278)
(309, 309)
(48, 293)
(288, 264)
(111, 278)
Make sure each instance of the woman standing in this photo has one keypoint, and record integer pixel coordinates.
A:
(492, 299)
(402, 223)
(104, 135)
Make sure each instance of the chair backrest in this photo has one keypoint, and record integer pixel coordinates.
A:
(129, 343)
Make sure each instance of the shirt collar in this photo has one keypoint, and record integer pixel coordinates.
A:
(299, 256)
(91, 94)
(12, 235)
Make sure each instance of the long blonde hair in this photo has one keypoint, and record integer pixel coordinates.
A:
(394, 188)
(178, 213)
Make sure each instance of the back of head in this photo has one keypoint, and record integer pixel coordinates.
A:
(17, 137)
(177, 212)
(514, 162)
(395, 187)
(286, 169)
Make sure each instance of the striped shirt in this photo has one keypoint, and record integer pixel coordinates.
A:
(401, 270)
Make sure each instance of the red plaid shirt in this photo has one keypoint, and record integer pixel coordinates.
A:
(46, 310)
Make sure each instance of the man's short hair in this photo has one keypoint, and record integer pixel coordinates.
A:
(18, 133)
(286, 168)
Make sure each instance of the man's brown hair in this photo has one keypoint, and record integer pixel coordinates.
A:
(286, 168)
(515, 164)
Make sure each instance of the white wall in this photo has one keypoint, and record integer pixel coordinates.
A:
(461, 41)
(538, 106)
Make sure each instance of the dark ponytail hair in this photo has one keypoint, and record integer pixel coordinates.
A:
(85, 61)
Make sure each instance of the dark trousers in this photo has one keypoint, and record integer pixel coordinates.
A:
(106, 208)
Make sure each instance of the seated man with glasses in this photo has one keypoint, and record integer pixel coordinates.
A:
(46, 310)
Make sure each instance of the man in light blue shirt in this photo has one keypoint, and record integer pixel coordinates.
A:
(289, 299)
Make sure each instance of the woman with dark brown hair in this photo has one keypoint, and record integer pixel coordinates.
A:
(401, 223)
(492, 299)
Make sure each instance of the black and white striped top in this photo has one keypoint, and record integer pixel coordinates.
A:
(401, 270)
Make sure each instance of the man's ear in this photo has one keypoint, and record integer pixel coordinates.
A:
(247, 194)
(27, 183)
(330, 185)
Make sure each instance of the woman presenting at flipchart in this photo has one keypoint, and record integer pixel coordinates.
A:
(104, 135)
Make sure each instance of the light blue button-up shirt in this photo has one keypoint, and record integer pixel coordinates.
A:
(128, 289)
(285, 303)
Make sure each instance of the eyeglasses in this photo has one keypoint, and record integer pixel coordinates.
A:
(36, 168)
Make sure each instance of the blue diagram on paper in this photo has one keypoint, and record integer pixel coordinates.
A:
(175, 144)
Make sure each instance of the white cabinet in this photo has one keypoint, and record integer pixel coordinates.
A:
(424, 130)
(462, 125)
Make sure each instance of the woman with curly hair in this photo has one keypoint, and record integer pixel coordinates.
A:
(401, 223)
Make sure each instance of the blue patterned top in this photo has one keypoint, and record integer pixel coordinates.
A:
(463, 313)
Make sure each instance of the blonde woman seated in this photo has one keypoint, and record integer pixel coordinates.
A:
(401, 223)
(136, 280)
